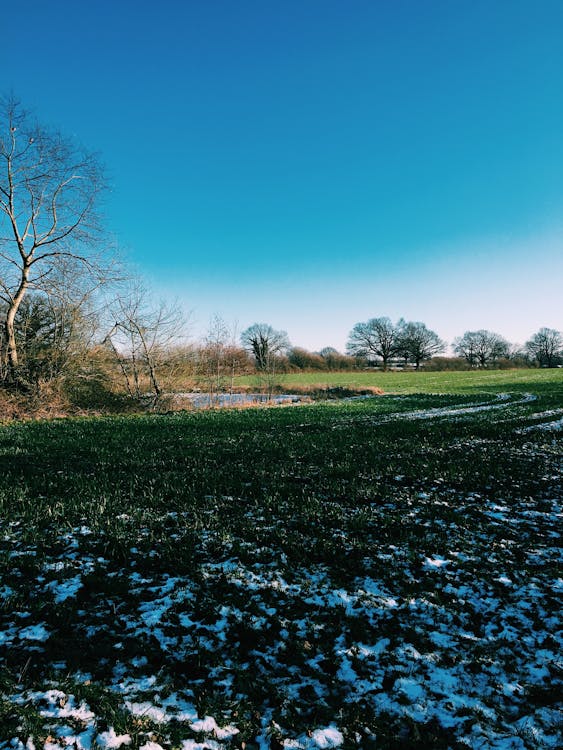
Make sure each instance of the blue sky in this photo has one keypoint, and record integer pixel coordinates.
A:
(313, 163)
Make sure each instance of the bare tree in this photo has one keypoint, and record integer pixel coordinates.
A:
(337, 361)
(214, 356)
(221, 359)
(481, 348)
(546, 346)
(52, 335)
(141, 337)
(417, 343)
(266, 344)
(236, 358)
(50, 189)
(378, 337)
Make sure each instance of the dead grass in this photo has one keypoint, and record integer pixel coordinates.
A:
(95, 396)
(63, 398)
(319, 391)
(46, 402)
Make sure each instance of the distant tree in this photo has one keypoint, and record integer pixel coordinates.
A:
(439, 364)
(49, 193)
(220, 359)
(378, 337)
(328, 351)
(417, 343)
(237, 362)
(481, 348)
(546, 347)
(236, 357)
(517, 357)
(337, 361)
(265, 343)
(306, 360)
(213, 355)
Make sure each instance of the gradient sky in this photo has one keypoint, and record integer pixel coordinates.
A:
(314, 163)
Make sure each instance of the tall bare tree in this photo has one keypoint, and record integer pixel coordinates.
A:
(50, 190)
(214, 356)
(266, 344)
(546, 346)
(417, 343)
(221, 359)
(378, 337)
(141, 337)
(236, 357)
(53, 334)
(481, 348)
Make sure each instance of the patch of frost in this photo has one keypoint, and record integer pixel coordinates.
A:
(65, 589)
(210, 726)
(110, 739)
(34, 633)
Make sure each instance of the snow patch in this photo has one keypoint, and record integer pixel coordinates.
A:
(34, 633)
(111, 740)
(65, 589)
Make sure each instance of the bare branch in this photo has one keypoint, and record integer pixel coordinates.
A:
(49, 188)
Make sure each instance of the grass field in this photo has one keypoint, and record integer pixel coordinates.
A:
(370, 573)
(421, 382)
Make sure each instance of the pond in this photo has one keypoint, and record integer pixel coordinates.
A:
(206, 400)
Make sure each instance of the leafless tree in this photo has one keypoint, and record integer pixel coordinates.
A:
(336, 361)
(221, 358)
(481, 348)
(378, 337)
(50, 190)
(266, 344)
(141, 337)
(53, 336)
(417, 343)
(236, 358)
(214, 356)
(546, 346)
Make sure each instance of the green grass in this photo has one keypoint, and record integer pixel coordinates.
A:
(269, 521)
(427, 382)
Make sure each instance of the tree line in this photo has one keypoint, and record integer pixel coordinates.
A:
(380, 343)
(71, 310)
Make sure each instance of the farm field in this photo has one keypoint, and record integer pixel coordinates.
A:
(397, 382)
(377, 572)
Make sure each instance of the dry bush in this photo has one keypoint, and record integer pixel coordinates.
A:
(11, 406)
(89, 386)
(46, 401)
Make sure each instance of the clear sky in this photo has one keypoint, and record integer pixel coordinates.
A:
(315, 163)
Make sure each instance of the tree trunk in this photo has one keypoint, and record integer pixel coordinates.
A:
(13, 363)
(11, 345)
(151, 365)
